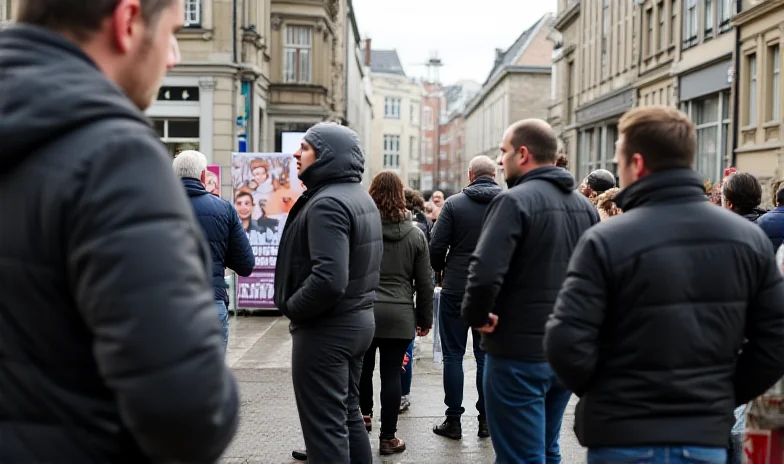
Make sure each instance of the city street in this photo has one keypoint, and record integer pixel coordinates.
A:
(260, 356)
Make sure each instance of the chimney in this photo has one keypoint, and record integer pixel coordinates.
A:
(367, 52)
(499, 56)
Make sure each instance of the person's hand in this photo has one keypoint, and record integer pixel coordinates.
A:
(490, 326)
(422, 332)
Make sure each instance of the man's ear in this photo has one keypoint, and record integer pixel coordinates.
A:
(203, 177)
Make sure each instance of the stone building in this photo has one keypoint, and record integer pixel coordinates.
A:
(760, 130)
(454, 169)
(397, 122)
(517, 87)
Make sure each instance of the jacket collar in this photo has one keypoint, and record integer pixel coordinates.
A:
(671, 186)
(194, 187)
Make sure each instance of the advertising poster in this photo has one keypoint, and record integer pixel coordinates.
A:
(265, 188)
(213, 180)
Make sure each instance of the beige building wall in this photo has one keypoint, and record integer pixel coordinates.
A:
(402, 151)
(660, 34)
(760, 130)
(564, 90)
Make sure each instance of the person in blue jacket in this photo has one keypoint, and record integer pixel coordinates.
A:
(229, 244)
(772, 222)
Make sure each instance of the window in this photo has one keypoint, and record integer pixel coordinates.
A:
(690, 23)
(192, 13)
(775, 83)
(391, 108)
(427, 151)
(427, 118)
(752, 116)
(442, 155)
(711, 116)
(649, 26)
(443, 139)
(391, 151)
(708, 17)
(673, 20)
(725, 13)
(4, 7)
(413, 111)
(178, 134)
(412, 148)
(662, 16)
(569, 91)
(297, 55)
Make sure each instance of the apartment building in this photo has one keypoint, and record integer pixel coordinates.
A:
(397, 109)
(760, 130)
(455, 169)
(517, 87)
(434, 162)
(659, 22)
(564, 78)
(704, 71)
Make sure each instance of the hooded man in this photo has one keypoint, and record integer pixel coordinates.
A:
(110, 350)
(328, 269)
(596, 183)
(515, 273)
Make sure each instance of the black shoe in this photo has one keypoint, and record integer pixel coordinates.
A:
(483, 432)
(299, 455)
(450, 428)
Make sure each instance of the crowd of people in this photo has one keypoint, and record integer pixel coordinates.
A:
(662, 312)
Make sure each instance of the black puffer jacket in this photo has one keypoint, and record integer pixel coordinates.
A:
(110, 345)
(457, 232)
(654, 311)
(331, 248)
(520, 261)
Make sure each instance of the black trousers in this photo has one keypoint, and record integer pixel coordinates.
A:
(391, 352)
(326, 364)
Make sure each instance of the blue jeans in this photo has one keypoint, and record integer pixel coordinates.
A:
(525, 406)
(223, 316)
(658, 455)
(454, 337)
(407, 376)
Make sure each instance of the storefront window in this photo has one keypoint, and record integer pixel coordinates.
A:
(711, 118)
(178, 134)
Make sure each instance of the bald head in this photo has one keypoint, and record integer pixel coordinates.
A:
(481, 166)
(538, 137)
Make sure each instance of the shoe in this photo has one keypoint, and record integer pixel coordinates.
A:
(450, 428)
(299, 455)
(368, 423)
(391, 446)
(405, 403)
(483, 432)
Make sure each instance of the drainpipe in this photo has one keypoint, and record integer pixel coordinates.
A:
(234, 108)
(735, 92)
(348, 62)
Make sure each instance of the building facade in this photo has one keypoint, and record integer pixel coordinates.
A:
(564, 77)
(397, 123)
(759, 82)
(455, 170)
(433, 163)
(517, 87)
(359, 89)
(704, 71)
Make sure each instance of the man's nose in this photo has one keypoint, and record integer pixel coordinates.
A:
(174, 53)
(500, 160)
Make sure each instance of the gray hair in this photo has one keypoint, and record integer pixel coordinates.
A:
(482, 166)
(190, 163)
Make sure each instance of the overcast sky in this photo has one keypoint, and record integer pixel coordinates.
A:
(465, 33)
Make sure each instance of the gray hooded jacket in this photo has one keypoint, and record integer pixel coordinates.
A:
(330, 252)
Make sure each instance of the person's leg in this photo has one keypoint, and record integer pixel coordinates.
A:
(223, 316)
(366, 380)
(391, 352)
(359, 443)
(556, 400)
(454, 335)
(479, 356)
(320, 374)
(515, 407)
(407, 376)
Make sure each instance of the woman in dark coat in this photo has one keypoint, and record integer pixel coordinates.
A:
(405, 270)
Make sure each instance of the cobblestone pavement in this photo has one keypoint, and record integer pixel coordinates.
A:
(260, 356)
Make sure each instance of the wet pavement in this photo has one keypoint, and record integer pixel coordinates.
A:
(260, 356)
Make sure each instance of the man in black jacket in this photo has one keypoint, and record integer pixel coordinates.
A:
(110, 350)
(516, 271)
(229, 245)
(328, 269)
(649, 327)
(456, 233)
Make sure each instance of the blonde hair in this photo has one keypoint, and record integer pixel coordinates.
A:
(605, 204)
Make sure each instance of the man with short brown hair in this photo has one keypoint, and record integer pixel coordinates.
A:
(657, 305)
(110, 350)
(514, 275)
